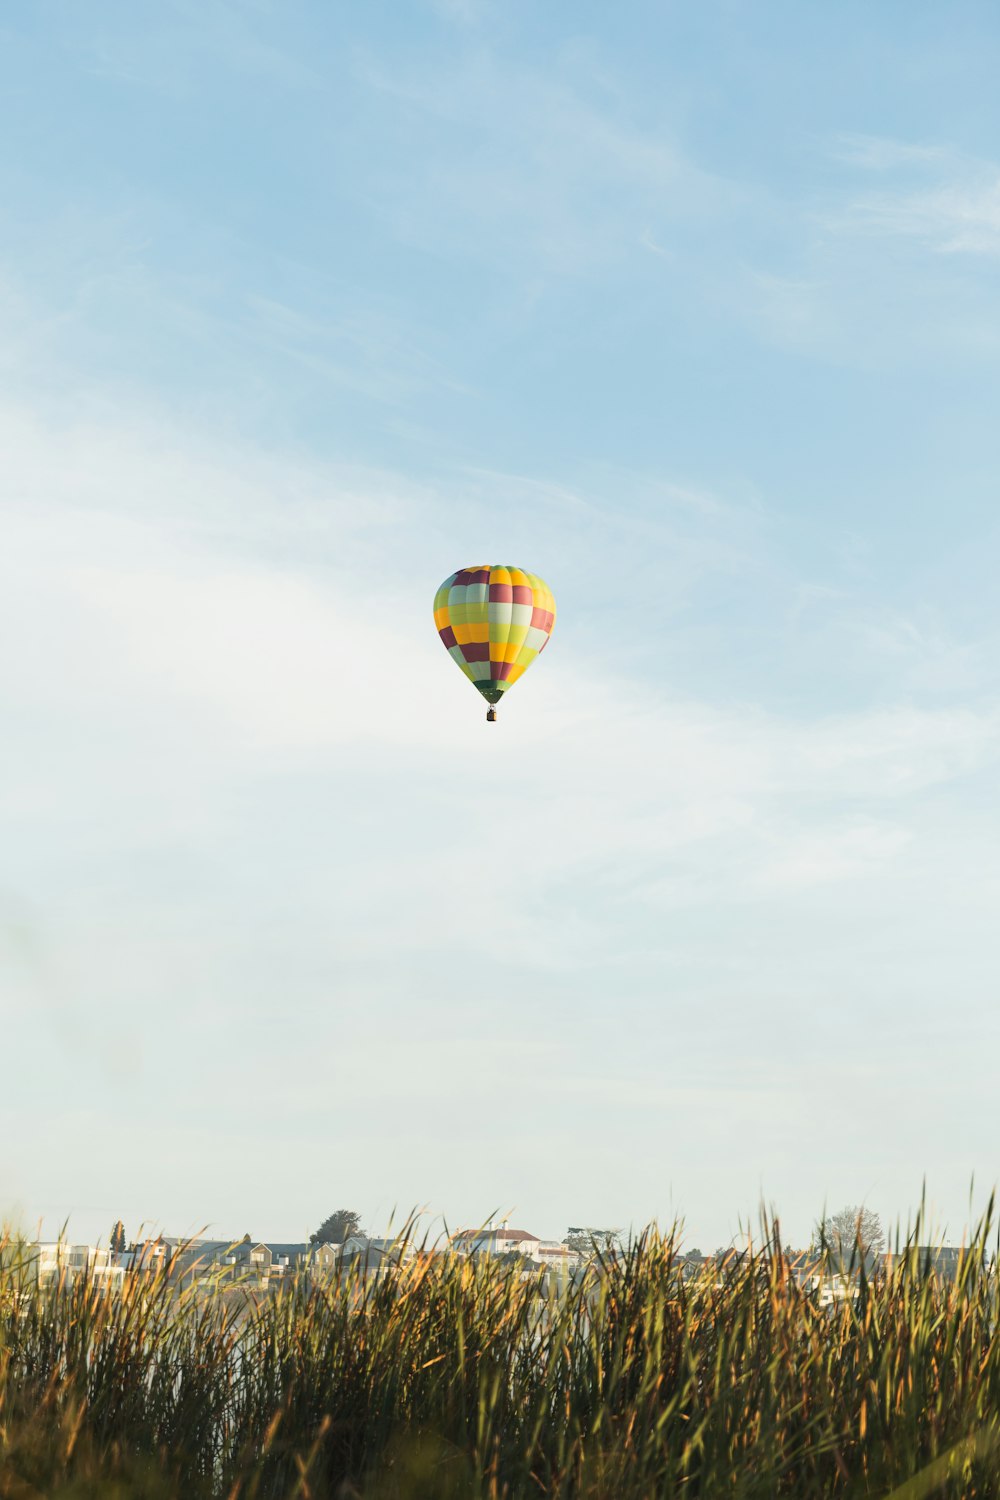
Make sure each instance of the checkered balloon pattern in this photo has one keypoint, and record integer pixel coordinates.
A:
(494, 621)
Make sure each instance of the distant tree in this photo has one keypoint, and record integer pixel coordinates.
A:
(593, 1241)
(852, 1228)
(337, 1228)
(117, 1242)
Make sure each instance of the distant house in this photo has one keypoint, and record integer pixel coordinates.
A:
(192, 1261)
(289, 1257)
(254, 1258)
(506, 1241)
(56, 1261)
(146, 1257)
(373, 1254)
(502, 1241)
(944, 1261)
(803, 1265)
(322, 1260)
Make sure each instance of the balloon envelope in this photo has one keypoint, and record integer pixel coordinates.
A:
(494, 620)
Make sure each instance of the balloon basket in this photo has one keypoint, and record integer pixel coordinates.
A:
(491, 716)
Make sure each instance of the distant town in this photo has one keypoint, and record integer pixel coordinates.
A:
(844, 1246)
(268, 1264)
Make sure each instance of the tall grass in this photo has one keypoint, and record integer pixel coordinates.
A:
(457, 1378)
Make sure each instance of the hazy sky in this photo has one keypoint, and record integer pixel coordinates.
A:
(692, 309)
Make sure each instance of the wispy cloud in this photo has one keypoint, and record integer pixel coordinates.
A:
(882, 154)
(952, 207)
(193, 40)
(865, 275)
(535, 168)
(963, 218)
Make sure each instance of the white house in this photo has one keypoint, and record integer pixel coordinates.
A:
(56, 1260)
(506, 1241)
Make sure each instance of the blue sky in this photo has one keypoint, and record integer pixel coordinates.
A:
(692, 310)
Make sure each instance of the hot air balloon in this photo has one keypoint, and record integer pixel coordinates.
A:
(494, 620)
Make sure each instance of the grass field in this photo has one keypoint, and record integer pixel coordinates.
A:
(451, 1378)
